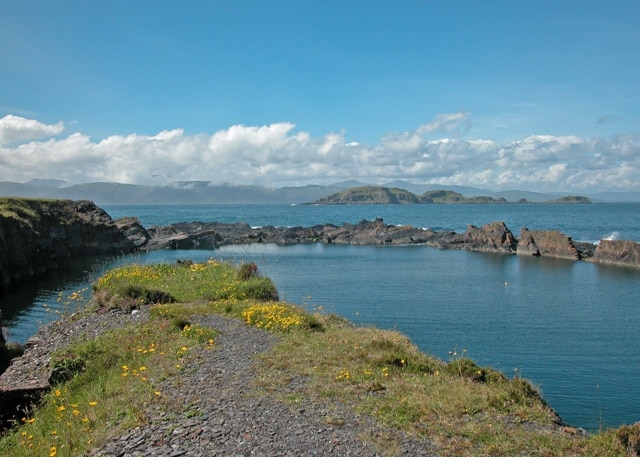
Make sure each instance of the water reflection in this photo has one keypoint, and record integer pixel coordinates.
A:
(30, 303)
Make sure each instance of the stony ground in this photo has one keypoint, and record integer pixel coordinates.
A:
(213, 408)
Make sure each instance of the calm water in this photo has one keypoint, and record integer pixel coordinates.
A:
(570, 327)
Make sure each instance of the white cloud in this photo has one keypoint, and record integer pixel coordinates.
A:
(279, 155)
(402, 142)
(15, 129)
(457, 124)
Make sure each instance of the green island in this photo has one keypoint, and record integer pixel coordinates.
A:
(103, 383)
(379, 195)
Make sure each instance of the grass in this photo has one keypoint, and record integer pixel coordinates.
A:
(462, 409)
(22, 209)
(383, 375)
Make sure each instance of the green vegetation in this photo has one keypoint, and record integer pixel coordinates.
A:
(447, 196)
(442, 196)
(184, 282)
(105, 385)
(572, 199)
(376, 195)
(22, 209)
(371, 195)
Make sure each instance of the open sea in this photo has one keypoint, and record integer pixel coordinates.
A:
(572, 328)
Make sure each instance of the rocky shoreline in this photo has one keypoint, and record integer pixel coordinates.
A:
(37, 236)
(495, 237)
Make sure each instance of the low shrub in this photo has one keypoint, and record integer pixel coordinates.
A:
(257, 289)
(148, 296)
(629, 437)
(65, 367)
(247, 271)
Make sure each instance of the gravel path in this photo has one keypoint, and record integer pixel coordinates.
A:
(214, 410)
(213, 406)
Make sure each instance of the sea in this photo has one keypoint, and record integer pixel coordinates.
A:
(570, 327)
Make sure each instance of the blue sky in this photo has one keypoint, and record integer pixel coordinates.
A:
(530, 95)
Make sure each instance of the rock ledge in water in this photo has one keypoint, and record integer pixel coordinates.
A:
(38, 235)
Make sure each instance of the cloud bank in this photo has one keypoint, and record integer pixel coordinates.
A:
(278, 155)
(14, 129)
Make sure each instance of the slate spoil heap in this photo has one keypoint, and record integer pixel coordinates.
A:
(212, 407)
(231, 419)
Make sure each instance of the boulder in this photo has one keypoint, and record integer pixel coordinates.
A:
(374, 232)
(26, 379)
(549, 243)
(618, 252)
(585, 249)
(526, 244)
(494, 237)
(133, 230)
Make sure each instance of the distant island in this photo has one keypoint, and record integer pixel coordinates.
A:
(380, 195)
(207, 192)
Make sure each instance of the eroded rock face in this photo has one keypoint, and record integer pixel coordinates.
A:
(133, 230)
(550, 243)
(39, 235)
(618, 252)
(494, 237)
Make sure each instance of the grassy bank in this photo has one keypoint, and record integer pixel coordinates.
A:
(105, 384)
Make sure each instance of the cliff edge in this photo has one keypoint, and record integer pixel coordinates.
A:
(38, 235)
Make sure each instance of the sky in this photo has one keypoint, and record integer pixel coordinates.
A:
(541, 96)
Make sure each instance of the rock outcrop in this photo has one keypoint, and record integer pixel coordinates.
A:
(495, 237)
(198, 235)
(549, 243)
(133, 230)
(617, 252)
(40, 235)
(26, 379)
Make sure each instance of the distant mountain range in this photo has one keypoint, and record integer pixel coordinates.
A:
(203, 192)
